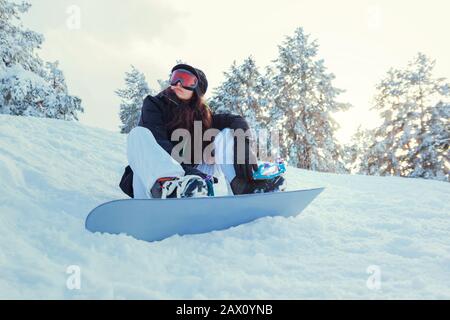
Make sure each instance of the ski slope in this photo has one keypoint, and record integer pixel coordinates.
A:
(52, 173)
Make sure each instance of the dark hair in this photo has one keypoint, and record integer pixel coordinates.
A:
(195, 109)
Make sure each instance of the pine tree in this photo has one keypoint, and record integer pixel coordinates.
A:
(430, 158)
(382, 155)
(304, 99)
(28, 86)
(17, 44)
(240, 93)
(413, 139)
(131, 99)
(60, 105)
(357, 149)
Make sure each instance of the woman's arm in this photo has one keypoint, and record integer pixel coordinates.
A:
(228, 120)
(151, 118)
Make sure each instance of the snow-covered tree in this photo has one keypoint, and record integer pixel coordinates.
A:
(136, 89)
(28, 86)
(414, 136)
(24, 93)
(240, 93)
(431, 158)
(303, 100)
(382, 156)
(357, 149)
(60, 105)
(17, 44)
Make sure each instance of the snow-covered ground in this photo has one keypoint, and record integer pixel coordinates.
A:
(52, 173)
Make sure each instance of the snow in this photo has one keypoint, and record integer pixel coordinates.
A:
(52, 173)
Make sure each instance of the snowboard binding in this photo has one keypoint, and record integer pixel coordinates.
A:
(270, 177)
(268, 170)
(191, 186)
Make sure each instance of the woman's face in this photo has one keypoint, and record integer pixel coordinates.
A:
(181, 92)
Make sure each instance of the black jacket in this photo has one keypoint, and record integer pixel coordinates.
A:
(157, 111)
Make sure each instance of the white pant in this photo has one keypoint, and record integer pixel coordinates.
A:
(149, 161)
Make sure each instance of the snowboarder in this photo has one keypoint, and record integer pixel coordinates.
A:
(153, 172)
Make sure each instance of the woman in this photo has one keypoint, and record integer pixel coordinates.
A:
(178, 107)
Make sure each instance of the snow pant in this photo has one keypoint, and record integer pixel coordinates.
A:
(149, 161)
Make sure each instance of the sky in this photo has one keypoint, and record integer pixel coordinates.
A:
(96, 42)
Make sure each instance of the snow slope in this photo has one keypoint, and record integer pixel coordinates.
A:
(52, 173)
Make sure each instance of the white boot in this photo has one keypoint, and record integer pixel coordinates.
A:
(191, 186)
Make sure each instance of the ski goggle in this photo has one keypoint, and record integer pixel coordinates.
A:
(188, 80)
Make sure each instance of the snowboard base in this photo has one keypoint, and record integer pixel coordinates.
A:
(157, 219)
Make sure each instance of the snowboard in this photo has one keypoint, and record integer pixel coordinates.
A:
(157, 219)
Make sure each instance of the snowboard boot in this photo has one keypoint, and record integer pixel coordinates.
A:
(190, 186)
(242, 186)
(163, 183)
